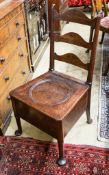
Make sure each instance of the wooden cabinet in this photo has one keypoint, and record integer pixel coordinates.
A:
(14, 55)
(60, 6)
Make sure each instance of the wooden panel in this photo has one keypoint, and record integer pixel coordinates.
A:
(7, 51)
(5, 105)
(21, 31)
(16, 23)
(11, 10)
(14, 61)
(19, 78)
(23, 48)
(22, 38)
(23, 72)
(4, 34)
(20, 18)
(7, 74)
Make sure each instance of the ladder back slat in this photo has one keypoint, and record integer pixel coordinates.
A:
(73, 38)
(73, 15)
(71, 59)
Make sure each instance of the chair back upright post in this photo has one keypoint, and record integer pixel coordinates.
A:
(51, 34)
(75, 16)
(93, 52)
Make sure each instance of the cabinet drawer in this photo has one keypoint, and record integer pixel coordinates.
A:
(22, 75)
(22, 48)
(22, 33)
(22, 41)
(24, 70)
(19, 78)
(7, 51)
(21, 36)
(16, 23)
(7, 74)
(4, 34)
(5, 105)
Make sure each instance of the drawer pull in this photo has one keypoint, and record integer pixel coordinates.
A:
(6, 78)
(21, 55)
(2, 59)
(19, 38)
(17, 24)
(23, 72)
(8, 98)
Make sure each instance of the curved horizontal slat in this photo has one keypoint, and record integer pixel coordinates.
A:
(71, 59)
(75, 15)
(73, 38)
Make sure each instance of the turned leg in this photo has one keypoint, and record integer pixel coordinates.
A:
(14, 104)
(19, 131)
(89, 120)
(102, 37)
(61, 161)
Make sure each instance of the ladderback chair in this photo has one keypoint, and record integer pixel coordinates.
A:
(53, 102)
(99, 7)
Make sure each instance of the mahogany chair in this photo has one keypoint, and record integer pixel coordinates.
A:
(100, 8)
(53, 102)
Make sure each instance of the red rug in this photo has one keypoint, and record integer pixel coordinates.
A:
(80, 2)
(25, 156)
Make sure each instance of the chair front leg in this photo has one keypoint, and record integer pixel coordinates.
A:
(61, 161)
(19, 131)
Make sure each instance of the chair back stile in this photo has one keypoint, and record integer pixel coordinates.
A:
(93, 52)
(51, 67)
(75, 39)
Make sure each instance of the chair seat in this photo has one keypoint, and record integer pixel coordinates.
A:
(105, 22)
(53, 94)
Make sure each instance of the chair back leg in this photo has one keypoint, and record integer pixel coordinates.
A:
(19, 131)
(102, 37)
(89, 120)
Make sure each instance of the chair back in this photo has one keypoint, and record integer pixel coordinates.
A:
(75, 16)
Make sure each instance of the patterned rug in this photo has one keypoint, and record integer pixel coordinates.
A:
(103, 124)
(78, 2)
(26, 156)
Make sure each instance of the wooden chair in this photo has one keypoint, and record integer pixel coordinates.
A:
(53, 102)
(99, 7)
